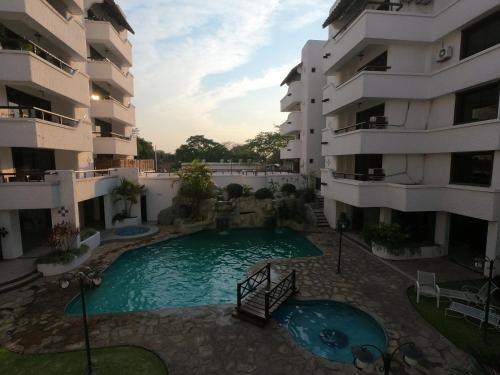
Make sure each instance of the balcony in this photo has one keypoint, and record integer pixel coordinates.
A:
(481, 203)
(479, 136)
(292, 151)
(106, 71)
(293, 124)
(28, 191)
(28, 69)
(104, 34)
(382, 27)
(36, 128)
(366, 85)
(111, 109)
(94, 183)
(116, 144)
(67, 34)
(293, 98)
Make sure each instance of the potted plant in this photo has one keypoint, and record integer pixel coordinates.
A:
(128, 193)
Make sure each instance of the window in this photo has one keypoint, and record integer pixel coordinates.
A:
(483, 35)
(313, 101)
(378, 64)
(471, 168)
(477, 104)
(313, 70)
(311, 131)
(311, 161)
(365, 116)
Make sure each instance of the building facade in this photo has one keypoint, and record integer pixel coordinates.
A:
(412, 130)
(61, 109)
(305, 120)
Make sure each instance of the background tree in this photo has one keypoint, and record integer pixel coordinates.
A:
(196, 185)
(267, 145)
(243, 152)
(145, 149)
(198, 147)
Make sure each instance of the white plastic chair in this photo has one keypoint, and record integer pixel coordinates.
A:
(426, 286)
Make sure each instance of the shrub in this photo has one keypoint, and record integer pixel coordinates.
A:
(264, 193)
(390, 236)
(307, 195)
(288, 189)
(234, 191)
(86, 233)
(62, 236)
(62, 257)
(247, 190)
(128, 192)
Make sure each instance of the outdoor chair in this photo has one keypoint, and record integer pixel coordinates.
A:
(469, 293)
(467, 311)
(426, 286)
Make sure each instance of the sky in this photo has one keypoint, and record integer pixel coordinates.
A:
(215, 67)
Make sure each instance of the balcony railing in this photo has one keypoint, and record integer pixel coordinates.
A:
(359, 176)
(380, 123)
(102, 19)
(105, 59)
(29, 46)
(114, 100)
(374, 68)
(26, 175)
(112, 135)
(14, 112)
(92, 173)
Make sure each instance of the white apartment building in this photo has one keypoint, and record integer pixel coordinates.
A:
(53, 61)
(413, 132)
(305, 120)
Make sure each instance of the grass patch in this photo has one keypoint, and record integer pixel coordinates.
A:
(463, 334)
(122, 360)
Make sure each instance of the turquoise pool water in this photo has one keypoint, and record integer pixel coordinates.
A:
(199, 269)
(330, 329)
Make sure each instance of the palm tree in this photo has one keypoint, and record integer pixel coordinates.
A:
(127, 192)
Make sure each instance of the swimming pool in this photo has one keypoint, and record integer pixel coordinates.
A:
(330, 329)
(193, 270)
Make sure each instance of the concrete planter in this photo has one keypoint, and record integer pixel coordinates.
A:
(422, 252)
(93, 241)
(129, 221)
(57, 269)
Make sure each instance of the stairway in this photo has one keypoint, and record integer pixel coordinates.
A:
(318, 207)
(20, 281)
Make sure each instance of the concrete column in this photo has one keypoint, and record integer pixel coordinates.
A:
(330, 211)
(385, 215)
(442, 231)
(68, 209)
(493, 245)
(12, 244)
(108, 211)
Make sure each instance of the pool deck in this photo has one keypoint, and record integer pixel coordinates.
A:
(207, 340)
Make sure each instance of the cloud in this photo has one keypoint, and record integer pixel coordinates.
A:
(180, 43)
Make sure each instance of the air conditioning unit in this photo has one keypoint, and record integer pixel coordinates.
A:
(444, 54)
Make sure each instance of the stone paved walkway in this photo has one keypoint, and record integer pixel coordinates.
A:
(207, 340)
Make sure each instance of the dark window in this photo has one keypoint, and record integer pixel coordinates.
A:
(420, 225)
(313, 70)
(478, 104)
(33, 159)
(367, 161)
(364, 116)
(19, 98)
(99, 91)
(313, 101)
(378, 64)
(471, 168)
(94, 54)
(311, 131)
(103, 127)
(483, 35)
(311, 161)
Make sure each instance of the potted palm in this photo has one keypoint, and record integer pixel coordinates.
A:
(126, 194)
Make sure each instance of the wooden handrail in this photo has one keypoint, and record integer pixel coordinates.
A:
(39, 113)
(274, 295)
(253, 281)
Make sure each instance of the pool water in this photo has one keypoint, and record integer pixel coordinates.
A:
(330, 329)
(131, 231)
(193, 270)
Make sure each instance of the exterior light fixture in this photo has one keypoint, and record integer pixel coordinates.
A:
(95, 97)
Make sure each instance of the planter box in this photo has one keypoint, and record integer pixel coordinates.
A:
(129, 221)
(57, 269)
(93, 241)
(422, 252)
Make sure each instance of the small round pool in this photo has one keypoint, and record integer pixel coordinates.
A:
(330, 329)
(135, 230)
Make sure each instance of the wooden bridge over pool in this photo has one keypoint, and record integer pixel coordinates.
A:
(259, 296)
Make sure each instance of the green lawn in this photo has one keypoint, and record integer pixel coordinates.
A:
(110, 361)
(463, 334)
